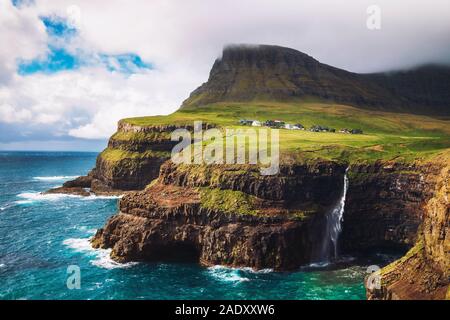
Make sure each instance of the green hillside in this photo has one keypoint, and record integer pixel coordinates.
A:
(386, 135)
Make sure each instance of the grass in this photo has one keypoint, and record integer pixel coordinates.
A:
(228, 201)
(386, 135)
(117, 155)
(140, 136)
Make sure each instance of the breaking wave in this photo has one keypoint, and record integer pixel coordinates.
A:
(229, 274)
(55, 178)
(101, 257)
(31, 197)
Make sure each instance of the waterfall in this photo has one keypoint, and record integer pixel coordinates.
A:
(333, 228)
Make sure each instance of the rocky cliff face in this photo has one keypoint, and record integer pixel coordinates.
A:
(273, 73)
(424, 272)
(230, 215)
(131, 160)
(226, 215)
(384, 206)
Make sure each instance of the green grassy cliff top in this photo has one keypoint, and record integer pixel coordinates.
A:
(386, 135)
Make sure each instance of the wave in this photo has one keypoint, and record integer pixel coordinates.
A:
(323, 264)
(230, 274)
(340, 261)
(102, 257)
(85, 229)
(250, 270)
(55, 178)
(30, 197)
(95, 197)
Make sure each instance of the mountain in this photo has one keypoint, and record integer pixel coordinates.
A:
(273, 73)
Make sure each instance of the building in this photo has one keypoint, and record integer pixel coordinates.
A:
(318, 128)
(293, 126)
(351, 131)
(278, 124)
(246, 122)
(289, 126)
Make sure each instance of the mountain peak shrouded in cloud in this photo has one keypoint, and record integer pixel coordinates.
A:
(145, 58)
(274, 73)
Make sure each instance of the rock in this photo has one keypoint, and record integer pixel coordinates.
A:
(70, 190)
(80, 182)
(424, 272)
(175, 227)
(384, 206)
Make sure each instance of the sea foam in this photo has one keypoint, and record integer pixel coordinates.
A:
(30, 197)
(55, 178)
(102, 257)
(230, 274)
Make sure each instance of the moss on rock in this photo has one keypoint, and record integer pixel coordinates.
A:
(228, 201)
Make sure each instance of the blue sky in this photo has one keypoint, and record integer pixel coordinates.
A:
(69, 70)
(58, 58)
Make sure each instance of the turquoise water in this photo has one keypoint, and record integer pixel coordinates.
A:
(41, 235)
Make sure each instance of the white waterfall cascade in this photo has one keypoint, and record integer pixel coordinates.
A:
(334, 225)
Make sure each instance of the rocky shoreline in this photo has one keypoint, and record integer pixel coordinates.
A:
(231, 215)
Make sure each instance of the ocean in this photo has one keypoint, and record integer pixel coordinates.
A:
(42, 235)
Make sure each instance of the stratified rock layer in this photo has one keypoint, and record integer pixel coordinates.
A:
(282, 230)
(384, 206)
(424, 272)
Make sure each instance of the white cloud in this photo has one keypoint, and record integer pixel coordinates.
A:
(182, 38)
(87, 103)
(22, 35)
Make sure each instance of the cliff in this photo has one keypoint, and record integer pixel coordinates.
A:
(263, 72)
(397, 197)
(230, 215)
(227, 215)
(424, 272)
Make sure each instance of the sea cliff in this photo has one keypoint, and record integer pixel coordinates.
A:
(396, 198)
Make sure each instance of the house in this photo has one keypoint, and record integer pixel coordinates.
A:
(269, 123)
(298, 126)
(246, 122)
(289, 126)
(274, 124)
(351, 131)
(293, 126)
(318, 128)
(256, 123)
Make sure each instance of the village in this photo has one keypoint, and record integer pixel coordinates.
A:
(278, 124)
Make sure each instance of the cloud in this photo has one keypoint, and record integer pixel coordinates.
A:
(87, 103)
(145, 57)
(22, 35)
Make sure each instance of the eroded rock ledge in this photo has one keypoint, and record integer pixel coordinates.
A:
(176, 227)
(191, 213)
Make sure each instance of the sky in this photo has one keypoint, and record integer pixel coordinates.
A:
(69, 70)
